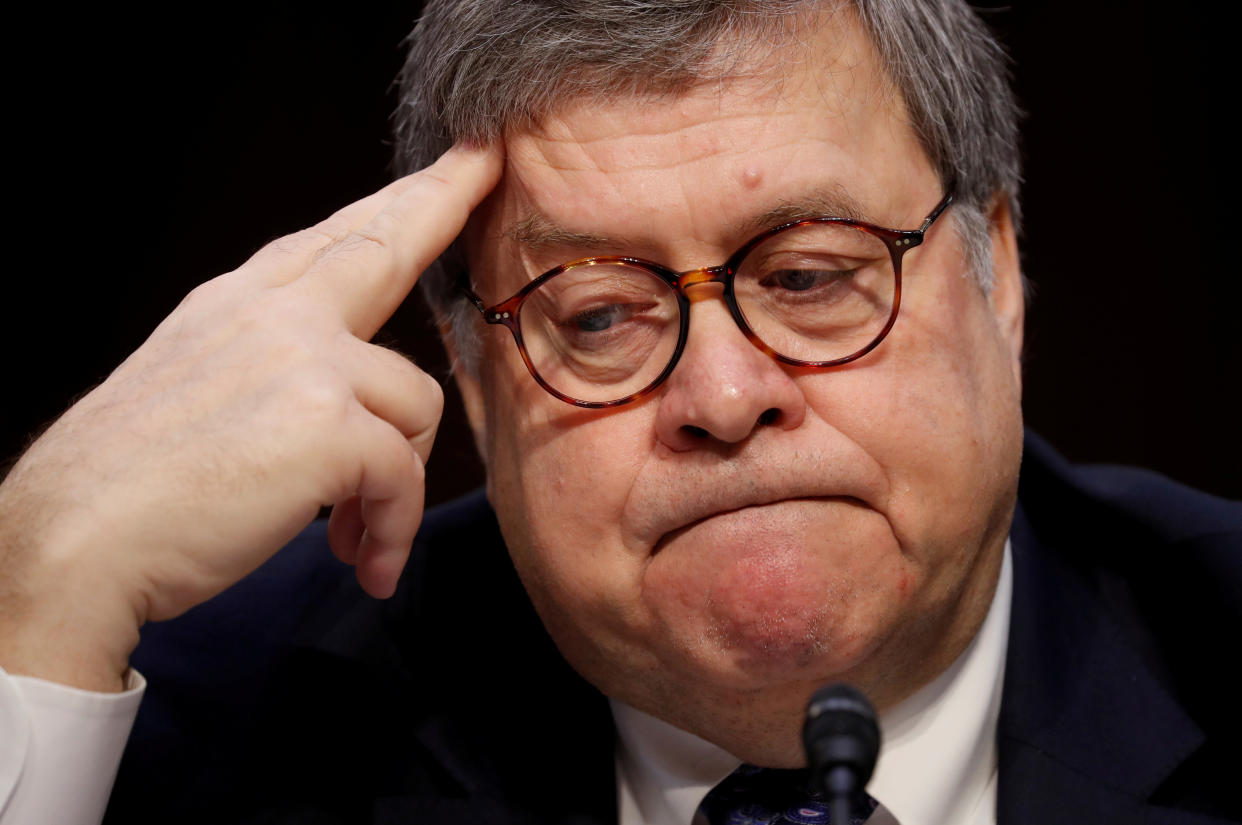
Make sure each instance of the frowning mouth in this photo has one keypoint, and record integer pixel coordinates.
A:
(740, 511)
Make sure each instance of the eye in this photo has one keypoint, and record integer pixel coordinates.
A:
(802, 280)
(598, 319)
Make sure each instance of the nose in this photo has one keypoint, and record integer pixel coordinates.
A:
(723, 387)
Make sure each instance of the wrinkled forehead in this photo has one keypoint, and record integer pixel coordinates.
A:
(806, 124)
(817, 62)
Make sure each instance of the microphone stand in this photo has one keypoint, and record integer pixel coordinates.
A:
(842, 741)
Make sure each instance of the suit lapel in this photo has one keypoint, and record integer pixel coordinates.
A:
(505, 731)
(1087, 730)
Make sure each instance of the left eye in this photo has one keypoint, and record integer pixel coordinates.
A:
(801, 280)
(598, 319)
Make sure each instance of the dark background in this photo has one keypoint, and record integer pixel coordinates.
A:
(152, 154)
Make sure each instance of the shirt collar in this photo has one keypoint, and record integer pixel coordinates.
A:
(937, 762)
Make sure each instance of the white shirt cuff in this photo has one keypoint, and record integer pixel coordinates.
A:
(60, 748)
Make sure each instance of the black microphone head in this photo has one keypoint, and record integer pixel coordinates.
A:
(840, 731)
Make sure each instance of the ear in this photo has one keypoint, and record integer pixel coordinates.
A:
(468, 385)
(1008, 296)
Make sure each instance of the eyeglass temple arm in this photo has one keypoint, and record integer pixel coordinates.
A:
(935, 213)
(464, 289)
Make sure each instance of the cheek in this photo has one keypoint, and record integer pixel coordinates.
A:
(559, 477)
(949, 430)
(559, 497)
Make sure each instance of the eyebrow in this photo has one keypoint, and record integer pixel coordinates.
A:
(535, 230)
(828, 202)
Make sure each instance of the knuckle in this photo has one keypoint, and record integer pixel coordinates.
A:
(395, 359)
(447, 194)
(314, 395)
(204, 307)
(285, 245)
(300, 242)
(317, 236)
(359, 242)
(415, 470)
(431, 177)
(424, 386)
(262, 320)
(298, 315)
(208, 293)
(435, 396)
(332, 228)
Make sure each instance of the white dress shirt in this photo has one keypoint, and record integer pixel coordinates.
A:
(60, 748)
(937, 762)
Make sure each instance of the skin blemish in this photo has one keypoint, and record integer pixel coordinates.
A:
(751, 177)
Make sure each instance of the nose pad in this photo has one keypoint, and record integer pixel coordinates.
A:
(723, 387)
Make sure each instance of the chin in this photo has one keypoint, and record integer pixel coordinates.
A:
(781, 651)
(779, 594)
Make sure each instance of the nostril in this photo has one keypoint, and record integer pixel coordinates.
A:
(769, 416)
(697, 432)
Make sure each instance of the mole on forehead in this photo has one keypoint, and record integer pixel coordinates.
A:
(535, 230)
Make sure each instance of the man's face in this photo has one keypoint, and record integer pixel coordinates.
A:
(714, 552)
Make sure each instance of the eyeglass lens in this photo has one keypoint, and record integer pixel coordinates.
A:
(815, 292)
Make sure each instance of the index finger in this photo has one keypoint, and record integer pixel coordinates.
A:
(370, 271)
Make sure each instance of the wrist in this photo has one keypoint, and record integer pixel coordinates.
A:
(59, 621)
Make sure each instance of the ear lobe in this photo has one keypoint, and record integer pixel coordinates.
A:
(1008, 297)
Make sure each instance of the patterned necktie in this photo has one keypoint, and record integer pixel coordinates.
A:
(766, 796)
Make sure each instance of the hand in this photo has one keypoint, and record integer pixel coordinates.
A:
(254, 403)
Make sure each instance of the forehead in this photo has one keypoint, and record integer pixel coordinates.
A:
(810, 124)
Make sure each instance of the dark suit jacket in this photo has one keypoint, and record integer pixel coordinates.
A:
(295, 698)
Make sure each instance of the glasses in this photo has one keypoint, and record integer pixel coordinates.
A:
(605, 331)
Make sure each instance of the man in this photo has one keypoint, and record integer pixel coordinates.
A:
(707, 532)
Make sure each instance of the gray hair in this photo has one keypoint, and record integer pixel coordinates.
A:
(477, 68)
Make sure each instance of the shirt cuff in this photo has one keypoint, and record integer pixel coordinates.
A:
(60, 748)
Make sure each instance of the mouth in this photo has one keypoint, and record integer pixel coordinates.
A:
(750, 488)
(740, 512)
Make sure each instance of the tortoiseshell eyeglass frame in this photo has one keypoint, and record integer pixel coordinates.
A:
(898, 241)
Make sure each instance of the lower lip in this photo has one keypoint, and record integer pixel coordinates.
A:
(778, 521)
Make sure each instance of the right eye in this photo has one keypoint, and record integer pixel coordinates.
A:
(600, 312)
(610, 327)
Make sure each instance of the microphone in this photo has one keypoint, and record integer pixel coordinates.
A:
(842, 741)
